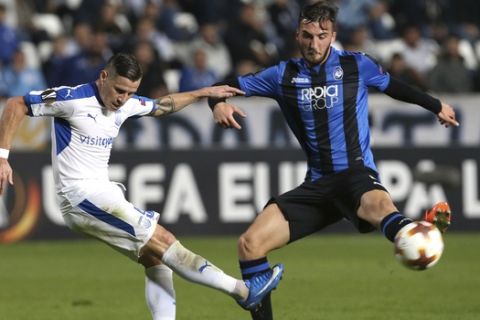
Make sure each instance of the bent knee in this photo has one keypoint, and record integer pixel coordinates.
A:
(374, 208)
(163, 237)
(250, 247)
(156, 246)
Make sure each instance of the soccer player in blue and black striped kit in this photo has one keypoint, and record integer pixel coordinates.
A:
(324, 99)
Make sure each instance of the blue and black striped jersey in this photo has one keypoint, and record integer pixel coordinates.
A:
(326, 106)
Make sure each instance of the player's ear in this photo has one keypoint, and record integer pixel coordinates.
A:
(103, 75)
(334, 37)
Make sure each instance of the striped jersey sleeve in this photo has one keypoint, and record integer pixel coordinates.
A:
(372, 72)
(264, 83)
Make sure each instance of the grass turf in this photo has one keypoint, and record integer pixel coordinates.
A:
(327, 277)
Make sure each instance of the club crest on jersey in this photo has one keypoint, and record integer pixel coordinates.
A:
(338, 73)
(49, 96)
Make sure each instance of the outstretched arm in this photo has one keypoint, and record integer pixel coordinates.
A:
(177, 101)
(13, 114)
(404, 92)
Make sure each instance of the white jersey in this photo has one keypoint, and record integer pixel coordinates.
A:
(82, 130)
(82, 137)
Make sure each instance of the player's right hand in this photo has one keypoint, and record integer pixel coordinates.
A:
(6, 175)
(223, 114)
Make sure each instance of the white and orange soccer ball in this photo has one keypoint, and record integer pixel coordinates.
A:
(419, 245)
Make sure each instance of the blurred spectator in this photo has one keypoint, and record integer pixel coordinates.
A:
(169, 18)
(351, 15)
(234, 34)
(246, 38)
(85, 66)
(284, 15)
(419, 53)
(399, 69)
(114, 23)
(419, 13)
(88, 11)
(463, 17)
(153, 84)
(439, 32)
(100, 47)
(81, 39)
(145, 31)
(381, 24)
(450, 73)
(198, 74)
(46, 6)
(54, 67)
(133, 10)
(208, 11)
(28, 27)
(244, 67)
(358, 40)
(8, 38)
(20, 78)
(210, 42)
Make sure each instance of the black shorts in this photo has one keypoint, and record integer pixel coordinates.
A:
(314, 205)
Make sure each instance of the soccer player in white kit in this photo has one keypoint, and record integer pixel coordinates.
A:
(86, 119)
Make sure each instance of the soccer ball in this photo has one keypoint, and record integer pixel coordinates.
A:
(419, 245)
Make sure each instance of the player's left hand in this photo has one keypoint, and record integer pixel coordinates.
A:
(224, 115)
(446, 116)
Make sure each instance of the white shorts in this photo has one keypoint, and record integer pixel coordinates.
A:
(103, 213)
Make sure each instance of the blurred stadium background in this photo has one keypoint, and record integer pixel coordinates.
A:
(207, 181)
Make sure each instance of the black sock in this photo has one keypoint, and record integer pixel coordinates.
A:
(249, 269)
(392, 223)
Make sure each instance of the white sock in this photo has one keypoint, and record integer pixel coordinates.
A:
(197, 269)
(159, 292)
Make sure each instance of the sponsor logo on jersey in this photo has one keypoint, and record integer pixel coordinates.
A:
(319, 97)
(94, 117)
(69, 94)
(300, 80)
(96, 141)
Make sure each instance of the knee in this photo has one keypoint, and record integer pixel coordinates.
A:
(374, 209)
(162, 237)
(152, 252)
(248, 246)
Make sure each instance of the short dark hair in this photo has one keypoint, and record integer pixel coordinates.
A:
(125, 65)
(321, 11)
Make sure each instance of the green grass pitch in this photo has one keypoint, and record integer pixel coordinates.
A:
(327, 277)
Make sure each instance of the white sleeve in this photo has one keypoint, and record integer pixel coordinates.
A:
(139, 106)
(46, 103)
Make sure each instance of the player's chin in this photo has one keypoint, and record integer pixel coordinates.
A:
(114, 107)
(313, 60)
